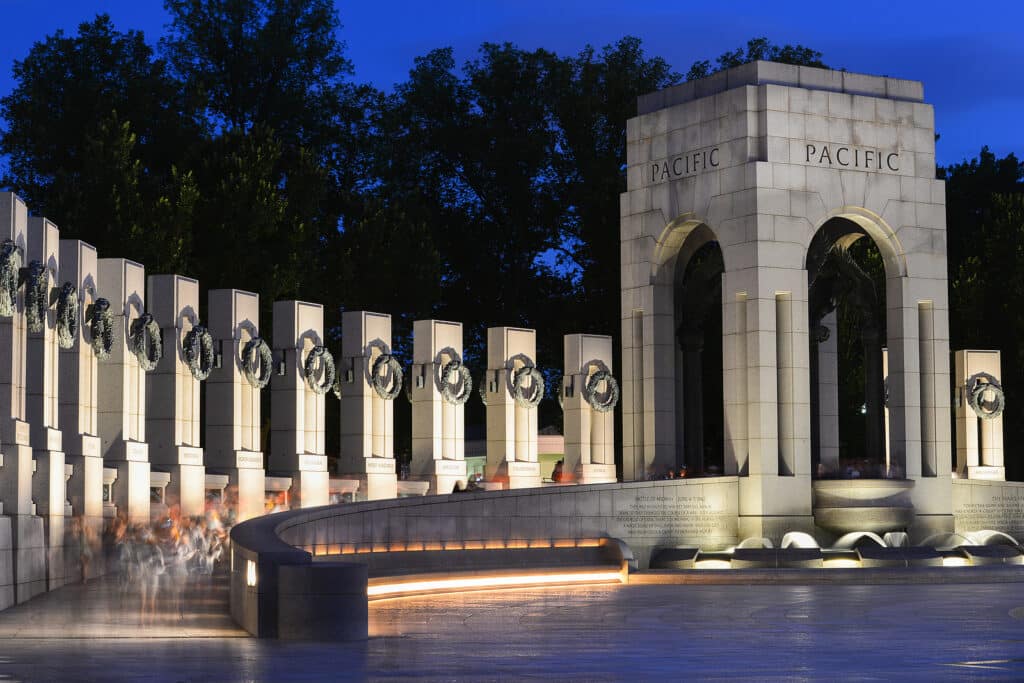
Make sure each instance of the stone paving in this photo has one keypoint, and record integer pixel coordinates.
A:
(608, 633)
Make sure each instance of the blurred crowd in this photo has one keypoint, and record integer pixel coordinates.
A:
(165, 559)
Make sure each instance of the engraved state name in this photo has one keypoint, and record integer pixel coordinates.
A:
(848, 156)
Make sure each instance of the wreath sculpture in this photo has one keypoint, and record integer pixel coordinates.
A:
(560, 394)
(67, 315)
(197, 348)
(336, 387)
(257, 363)
(10, 267)
(389, 385)
(146, 342)
(319, 355)
(407, 386)
(459, 391)
(601, 402)
(36, 299)
(482, 388)
(101, 329)
(977, 386)
(519, 394)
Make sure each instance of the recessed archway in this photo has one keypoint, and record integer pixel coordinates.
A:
(847, 332)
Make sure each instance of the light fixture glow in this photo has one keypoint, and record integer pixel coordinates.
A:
(712, 564)
(250, 573)
(394, 589)
(955, 562)
(840, 563)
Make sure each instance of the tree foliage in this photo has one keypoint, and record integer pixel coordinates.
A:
(757, 49)
(985, 227)
(241, 152)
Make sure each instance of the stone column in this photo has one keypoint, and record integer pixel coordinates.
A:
(26, 529)
(979, 442)
(122, 390)
(828, 395)
(233, 403)
(589, 434)
(367, 419)
(511, 428)
(775, 493)
(172, 395)
(78, 420)
(438, 425)
(296, 411)
(43, 353)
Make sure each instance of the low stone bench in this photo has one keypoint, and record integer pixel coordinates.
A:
(776, 558)
(991, 554)
(914, 556)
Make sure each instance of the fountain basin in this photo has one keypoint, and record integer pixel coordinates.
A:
(878, 505)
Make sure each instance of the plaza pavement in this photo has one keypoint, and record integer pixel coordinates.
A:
(607, 633)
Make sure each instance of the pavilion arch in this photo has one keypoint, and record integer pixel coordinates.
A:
(696, 406)
(678, 242)
(876, 228)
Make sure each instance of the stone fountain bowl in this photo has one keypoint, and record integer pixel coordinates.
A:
(878, 505)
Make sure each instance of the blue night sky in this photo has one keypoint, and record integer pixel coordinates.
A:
(969, 55)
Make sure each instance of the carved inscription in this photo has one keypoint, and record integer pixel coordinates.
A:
(1001, 513)
(847, 156)
(669, 516)
(683, 165)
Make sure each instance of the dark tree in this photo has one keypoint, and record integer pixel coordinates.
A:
(757, 49)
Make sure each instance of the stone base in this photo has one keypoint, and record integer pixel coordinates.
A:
(187, 487)
(29, 557)
(16, 480)
(987, 473)
(85, 487)
(773, 527)
(48, 488)
(927, 525)
(131, 489)
(378, 479)
(129, 451)
(14, 432)
(309, 489)
(250, 485)
(444, 475)
(593, 473)
(56, 536)
(523, 475)
(7, 590)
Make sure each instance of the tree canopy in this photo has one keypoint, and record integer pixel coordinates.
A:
(237, 149)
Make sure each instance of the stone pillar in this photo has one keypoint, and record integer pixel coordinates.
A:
(979, 442)
(233, 403)
(78, 420)
(438, 425)
(775, 493)
(888, 431)
(693, 400)
(828, 395)
(367, 419)
(511, 428)
(172, 395)
(16, 475)
(48, 491)
(296, 411)
(122, 390)
(589, 434)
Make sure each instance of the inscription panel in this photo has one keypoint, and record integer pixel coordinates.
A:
(683, 518)
(998, 508)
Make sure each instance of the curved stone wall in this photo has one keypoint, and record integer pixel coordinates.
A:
(278, 590)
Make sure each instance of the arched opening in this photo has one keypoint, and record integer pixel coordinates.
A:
(697, 288)
(847, 334)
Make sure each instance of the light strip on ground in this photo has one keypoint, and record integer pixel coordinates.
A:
(489, 582)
